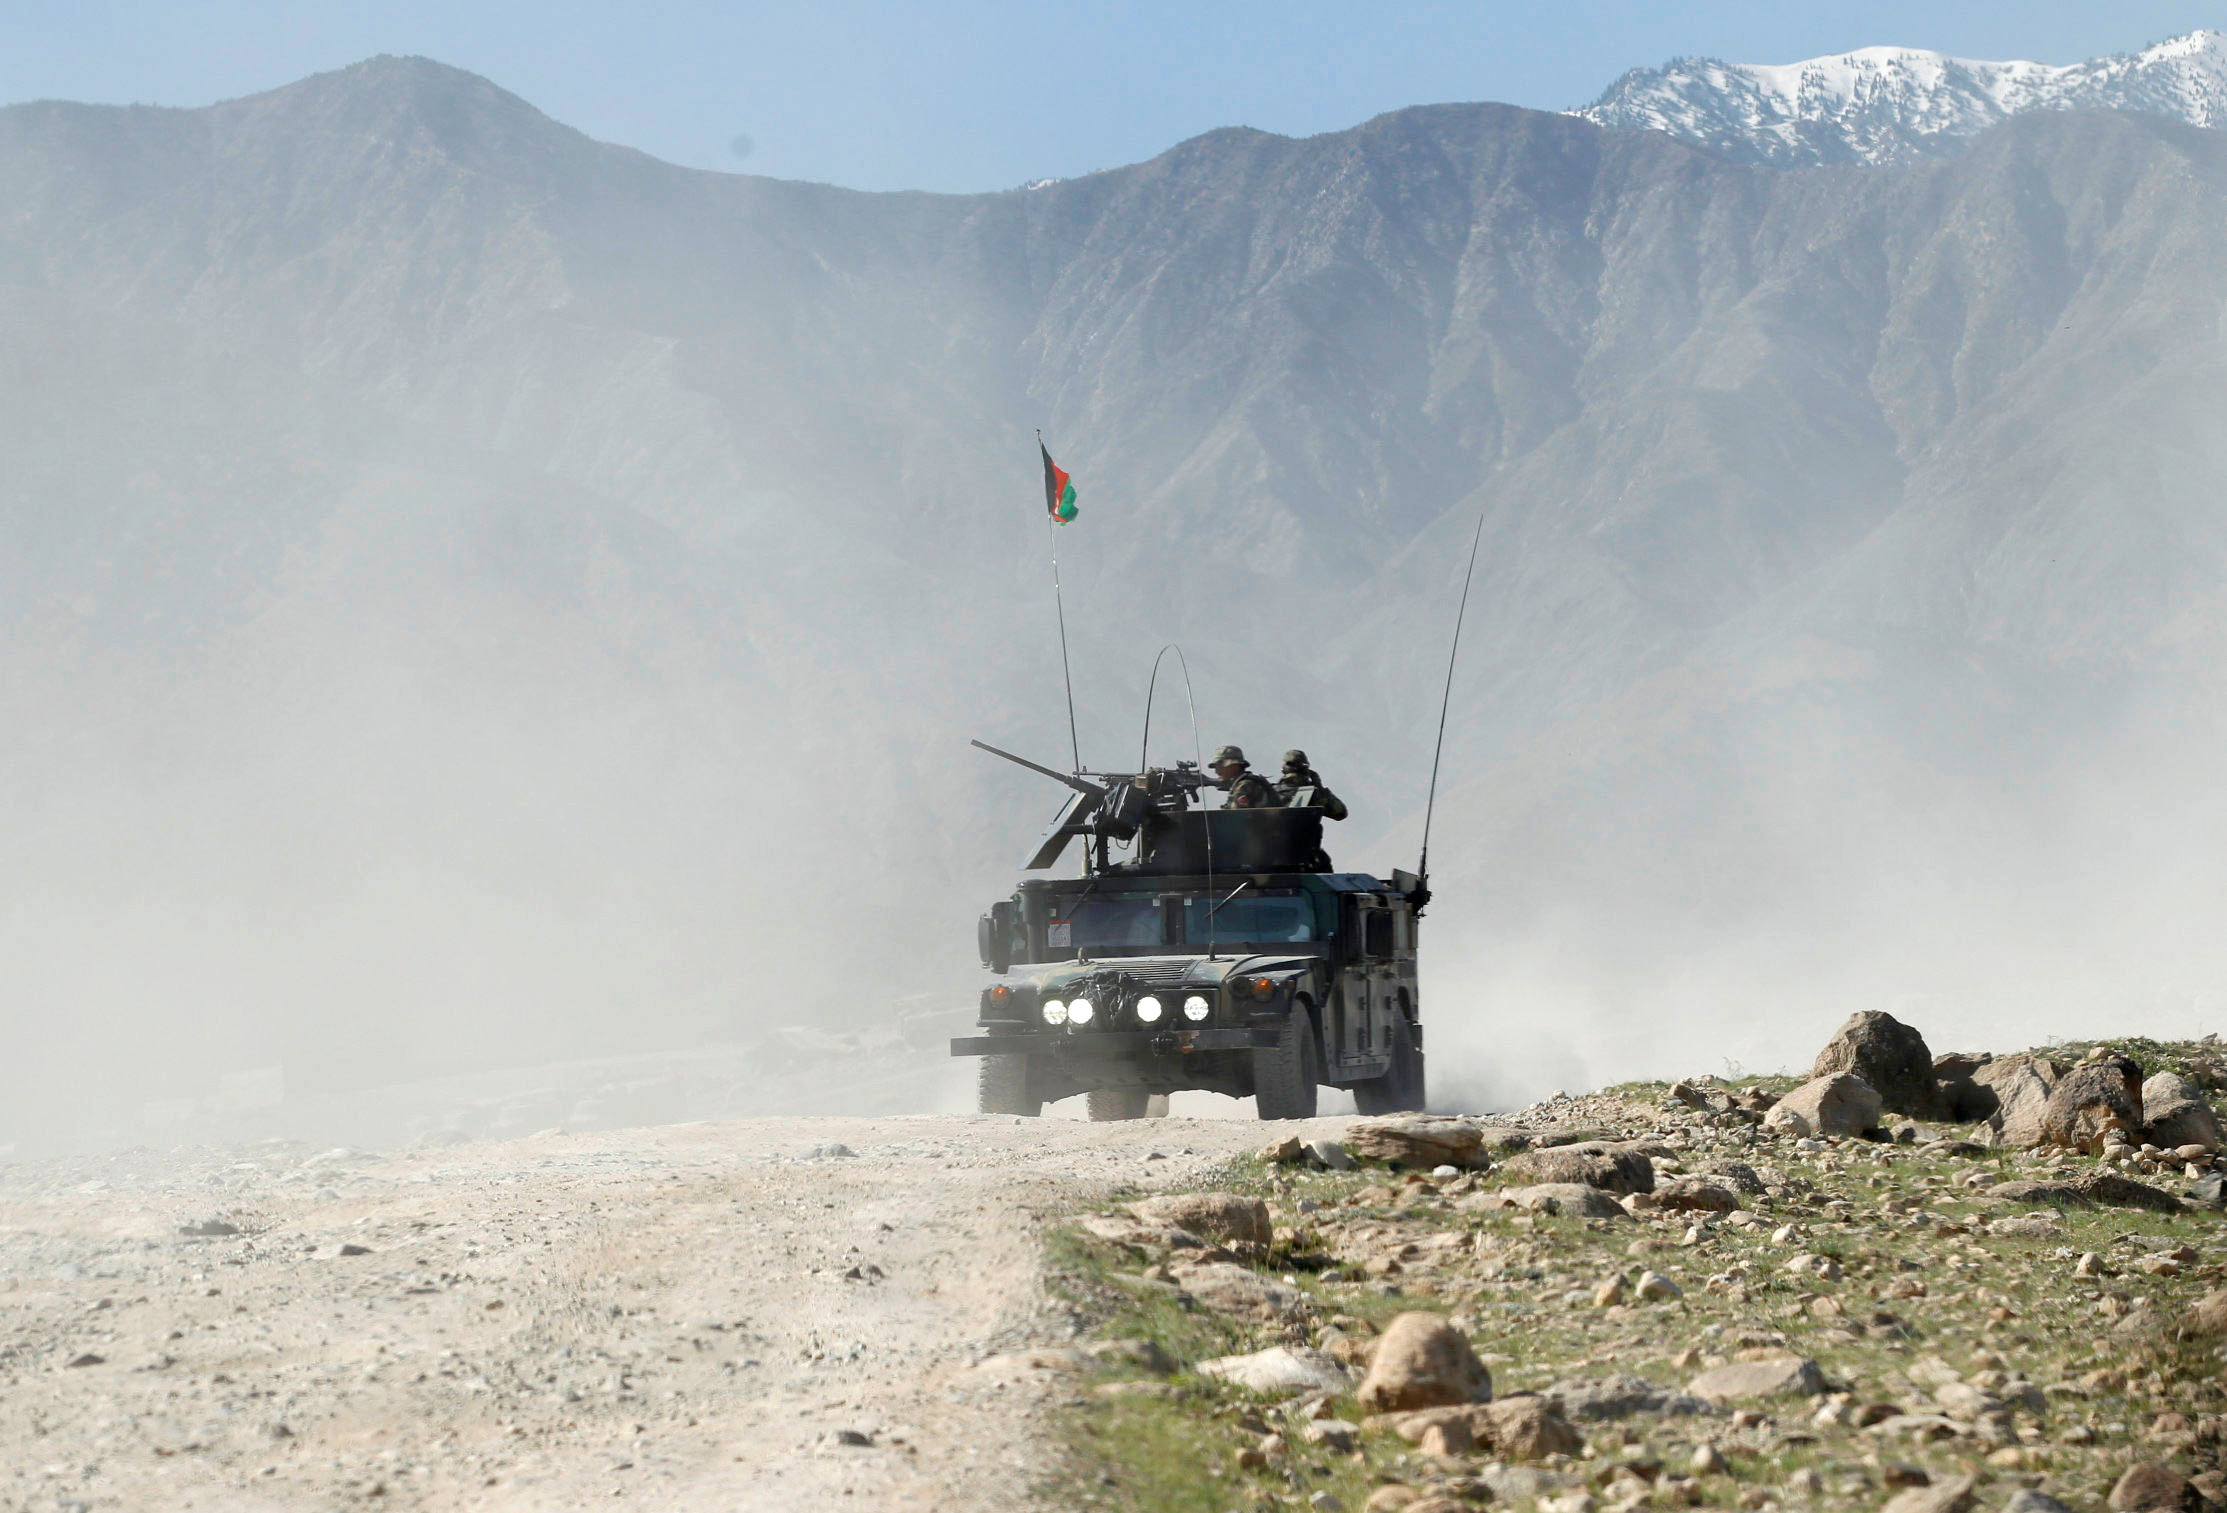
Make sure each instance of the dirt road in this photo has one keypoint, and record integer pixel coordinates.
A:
(702, 1316)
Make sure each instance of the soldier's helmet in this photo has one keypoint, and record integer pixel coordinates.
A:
(1234, 754)
(1294, 758)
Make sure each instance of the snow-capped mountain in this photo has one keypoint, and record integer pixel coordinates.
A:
(1896, 104)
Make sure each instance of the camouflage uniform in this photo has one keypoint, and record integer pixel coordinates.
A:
(1298, 775)
(1248, 790)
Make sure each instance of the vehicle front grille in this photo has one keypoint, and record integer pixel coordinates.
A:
(1145, 972)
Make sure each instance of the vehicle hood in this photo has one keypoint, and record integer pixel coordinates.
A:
(1166, 971)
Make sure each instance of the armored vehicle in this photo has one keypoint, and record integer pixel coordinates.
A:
(1223, 952)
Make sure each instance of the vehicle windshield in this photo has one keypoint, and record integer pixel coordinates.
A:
(1249, 918)
(1097, 923)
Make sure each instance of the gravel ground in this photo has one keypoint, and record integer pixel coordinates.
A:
(699, 1316)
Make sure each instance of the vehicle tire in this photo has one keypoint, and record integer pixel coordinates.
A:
(1284, 1076)
(1400, 1089)
(1004, 1087)
(1111, 1103)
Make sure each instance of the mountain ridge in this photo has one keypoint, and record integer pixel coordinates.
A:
(1879, 105)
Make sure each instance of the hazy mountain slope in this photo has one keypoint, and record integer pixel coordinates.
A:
(476, 592)
(1901, 104)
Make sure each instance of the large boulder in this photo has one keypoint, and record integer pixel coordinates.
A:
(1836, 1105)
(1963, 1099)
(2016, 1092)
(1421, 1141)
(1889, 1055)
(1228, 1217)
(1423, 1361)
(2153, 1487)
(1611, 1168)
(2095, 1102)
(2178, 1113)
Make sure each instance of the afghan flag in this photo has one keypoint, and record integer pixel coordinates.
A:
(1059, 489)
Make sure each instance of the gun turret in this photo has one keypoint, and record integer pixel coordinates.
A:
(1112, 806)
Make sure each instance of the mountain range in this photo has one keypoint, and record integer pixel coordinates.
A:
(474, 592)
(1901, 104)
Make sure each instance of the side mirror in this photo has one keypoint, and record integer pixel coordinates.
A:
(993, 937)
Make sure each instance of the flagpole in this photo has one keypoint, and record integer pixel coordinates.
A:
(1059, 600)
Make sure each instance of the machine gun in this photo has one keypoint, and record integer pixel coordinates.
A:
(1154, 808)
(1118, 806)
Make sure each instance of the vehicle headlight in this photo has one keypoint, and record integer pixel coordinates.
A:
(1196, 1008)
(1080, 1011)
(1149, 1010)
(1055, 1012)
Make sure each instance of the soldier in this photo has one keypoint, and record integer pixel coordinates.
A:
(1247, 789)
(1298, 776)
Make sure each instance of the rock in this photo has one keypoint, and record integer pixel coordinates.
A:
(1840, 1105)
(1611, 1168)
(2105, 1188)
(1622, 1396)
(88, 1359)
(834, 1150)
(352, 1249)
(1891, 1057)
(2152, 1488)
(1708, 1460)
(1227, 1288)
(1611, 1292)
(1392, 1499)
(1331, 1154)
(2017, 1089)
(1282, 1369)
(1135, 1387)
(1423, 1361)
(1285, 1151)
(1143, 1355)
(1751, 1379)
(209, 1228)
(1962, 1098)
(2209, 1191)
(1953, 1495)
(1333, 1434)
(1527, 1428)
(2208, 1318)
(1420, 1141)
(1571, 1198)
(1696, 1195)
(2027, 1500)
(2095, 1101)
(2178, 1115)
(1228, 1217)
(1966, 1403)
(1654, 1287)
(1447, 1439)
(1127, 1231)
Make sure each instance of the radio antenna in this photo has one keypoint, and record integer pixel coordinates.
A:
(1198, 759)
(1445, 702)
(1144, 749)
(1059, 600)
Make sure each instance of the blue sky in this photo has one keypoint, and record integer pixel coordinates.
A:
(985, 94)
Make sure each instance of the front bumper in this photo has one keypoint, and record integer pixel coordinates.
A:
(1116, 1044)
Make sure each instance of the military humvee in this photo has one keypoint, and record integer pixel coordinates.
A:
(1225, 955)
